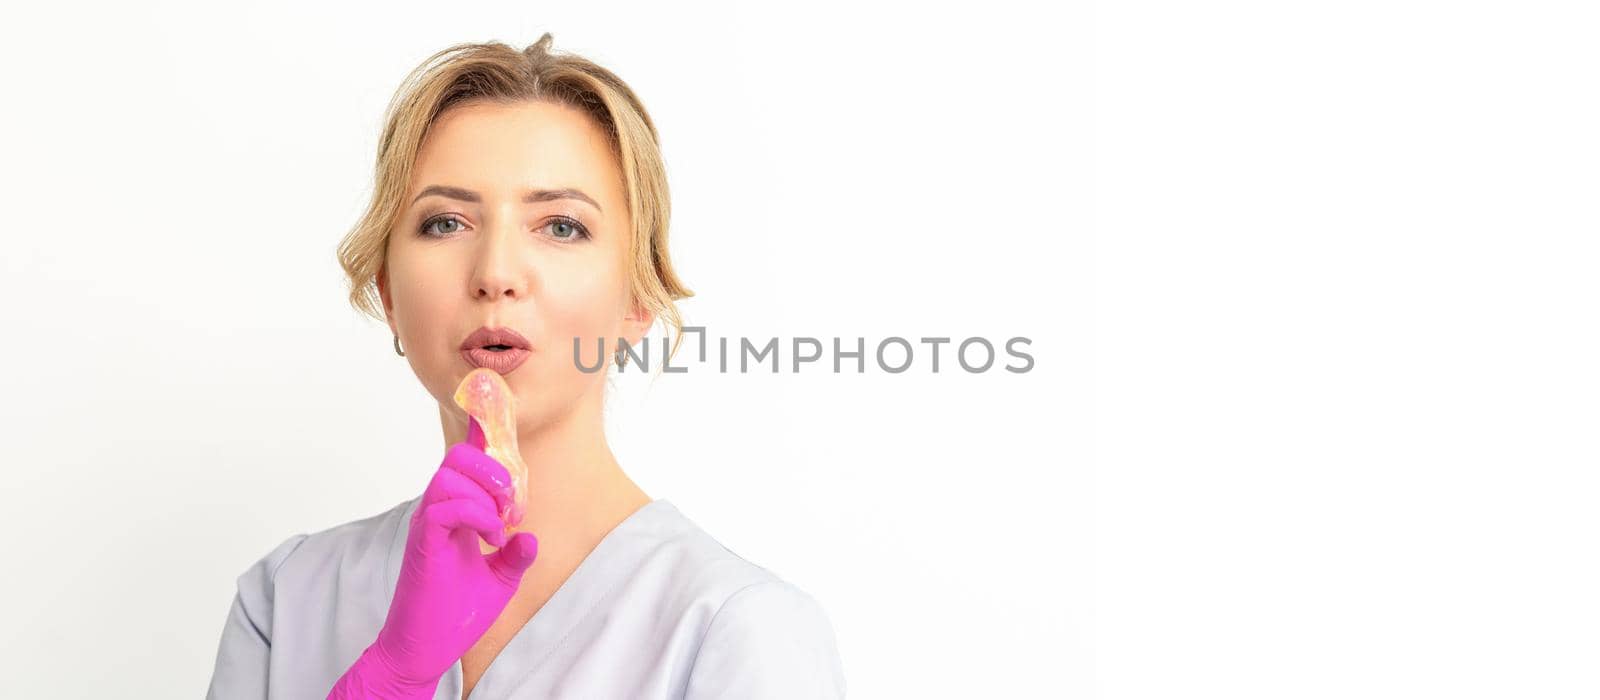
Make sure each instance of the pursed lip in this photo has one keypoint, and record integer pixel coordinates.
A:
(486, 336)
(501, 361)
(475, 349)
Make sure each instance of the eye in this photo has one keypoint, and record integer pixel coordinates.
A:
(427, 226)
(562, 228)
(566, 229)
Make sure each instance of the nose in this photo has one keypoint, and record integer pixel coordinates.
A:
(499, 270)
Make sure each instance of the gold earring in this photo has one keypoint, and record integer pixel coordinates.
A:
(397, 349)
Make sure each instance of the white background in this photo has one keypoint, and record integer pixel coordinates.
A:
(1311, 291)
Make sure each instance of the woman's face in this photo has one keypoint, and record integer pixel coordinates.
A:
(482, 252)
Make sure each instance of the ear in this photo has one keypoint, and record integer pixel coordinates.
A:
(636, 324)
(388, 301)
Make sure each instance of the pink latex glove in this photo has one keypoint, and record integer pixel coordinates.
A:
(449, 592)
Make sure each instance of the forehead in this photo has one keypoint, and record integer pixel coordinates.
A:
(504, 149)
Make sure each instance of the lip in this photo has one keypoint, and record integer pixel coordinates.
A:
(473, 349)
(501, 361)
(495, 336)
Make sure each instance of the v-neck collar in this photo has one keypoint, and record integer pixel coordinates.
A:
(589, 585)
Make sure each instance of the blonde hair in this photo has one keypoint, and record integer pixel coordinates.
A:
(496, 72)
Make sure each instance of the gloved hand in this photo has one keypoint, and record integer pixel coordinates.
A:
(449, 592)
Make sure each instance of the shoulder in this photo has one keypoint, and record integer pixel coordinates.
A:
(770, 640)
(693, 570)
(762, 635)
(360, 544)
(774, 612)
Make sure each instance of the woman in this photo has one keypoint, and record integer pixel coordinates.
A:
(520, 203)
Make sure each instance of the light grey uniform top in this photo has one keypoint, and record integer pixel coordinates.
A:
(659, 609)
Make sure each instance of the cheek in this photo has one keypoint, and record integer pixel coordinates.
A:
(583, 306)
(422, 301)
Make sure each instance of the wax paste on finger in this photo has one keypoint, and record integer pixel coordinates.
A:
(484, 395)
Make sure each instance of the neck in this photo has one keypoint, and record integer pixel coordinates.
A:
(574, 481)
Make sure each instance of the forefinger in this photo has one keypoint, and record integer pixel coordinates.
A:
(485, 471)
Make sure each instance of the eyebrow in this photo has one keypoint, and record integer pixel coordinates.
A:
(530, 196)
